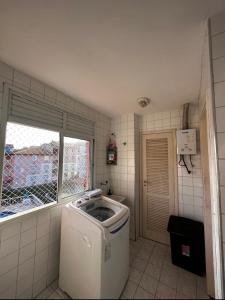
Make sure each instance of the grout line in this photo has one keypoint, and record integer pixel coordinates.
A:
(218, 33)
(218, 57)
(220, 81)
(17, 275)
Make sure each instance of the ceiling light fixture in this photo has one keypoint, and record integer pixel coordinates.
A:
(143, 101)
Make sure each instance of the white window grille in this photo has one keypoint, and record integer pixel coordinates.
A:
(29, 179)
(76, 166)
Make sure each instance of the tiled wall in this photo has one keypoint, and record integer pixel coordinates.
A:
(218, 64)
(125, 174)
(29, 247)
(124, 177)
(190, 186)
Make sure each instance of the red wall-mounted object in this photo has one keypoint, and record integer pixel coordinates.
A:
(111, 152)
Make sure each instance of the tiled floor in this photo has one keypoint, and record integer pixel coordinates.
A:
(152, 276)
(52, 292)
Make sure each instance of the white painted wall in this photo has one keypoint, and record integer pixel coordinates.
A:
(29, 246)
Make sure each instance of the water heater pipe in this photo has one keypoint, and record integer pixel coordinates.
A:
(185, 120)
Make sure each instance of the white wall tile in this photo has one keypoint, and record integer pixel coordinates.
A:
(198, 192)
(25, 276)
(28, 236)
(7, 280)
(26, 294)
(29, 223)
(223, 226)
(222, 191)
(219, 94)
(55, 211)
(218, 45)
(10, 230)
(2, 80)
(40, 271)
(198, 201)
(41, 257)
(10, 293)
(9, 246)
(218, 23)
(222, 172)
(39, 286)
(27, 252)
(42, 243)
(187, 181)
(26, 269)
(221, 145)
(43, 217)
(43, 229)
(220, 121)
(52, 275)
(187, 190)
(188, 211)
(197, 182)
(8, 263)
(219, 69)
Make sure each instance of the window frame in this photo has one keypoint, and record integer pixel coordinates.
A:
(66, 134)
(2, 152)
(63, 132)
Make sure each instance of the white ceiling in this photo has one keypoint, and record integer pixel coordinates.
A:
(107, 53)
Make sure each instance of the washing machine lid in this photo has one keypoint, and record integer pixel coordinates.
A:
(102, 210)
(101, 213)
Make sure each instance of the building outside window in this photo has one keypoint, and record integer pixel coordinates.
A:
(31, 167)
(26, 175)
(76, 176)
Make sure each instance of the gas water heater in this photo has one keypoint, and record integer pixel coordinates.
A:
(186, 142)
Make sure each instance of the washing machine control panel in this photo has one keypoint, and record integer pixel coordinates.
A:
(92, 195)
(80, 202)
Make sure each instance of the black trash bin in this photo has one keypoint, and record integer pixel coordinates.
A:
(187, 244)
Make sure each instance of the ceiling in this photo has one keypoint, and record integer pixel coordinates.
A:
(107, 53)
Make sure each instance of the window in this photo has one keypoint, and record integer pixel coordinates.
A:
(76, 166)
(33, 133)
(28, 179)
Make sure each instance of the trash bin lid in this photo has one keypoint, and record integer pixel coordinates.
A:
(185, 227)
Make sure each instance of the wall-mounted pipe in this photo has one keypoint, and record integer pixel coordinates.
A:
(185, 120)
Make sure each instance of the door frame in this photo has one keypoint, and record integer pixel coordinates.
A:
(207, 203)
(176, 204)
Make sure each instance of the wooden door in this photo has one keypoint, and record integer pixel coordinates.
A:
(159, 184)
(207, 206)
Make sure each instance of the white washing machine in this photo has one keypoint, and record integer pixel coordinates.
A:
(94, 258)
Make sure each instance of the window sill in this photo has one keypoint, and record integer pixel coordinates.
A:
(26, 213)
(68, 198)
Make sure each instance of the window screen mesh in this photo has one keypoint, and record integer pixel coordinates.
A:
(76, 166)
(30, 168)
